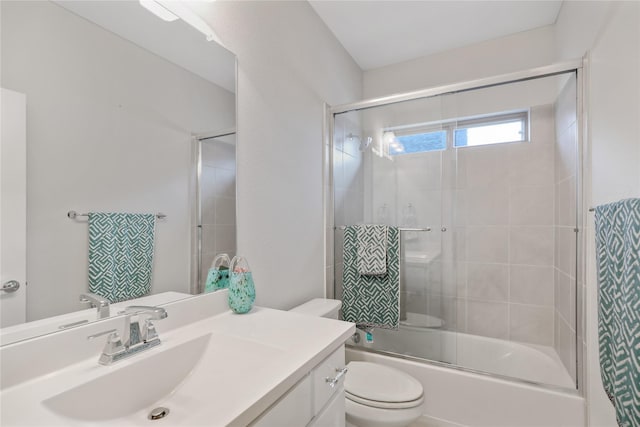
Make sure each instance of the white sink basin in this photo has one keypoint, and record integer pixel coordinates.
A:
(133, 387)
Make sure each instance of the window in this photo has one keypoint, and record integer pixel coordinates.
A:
(486, 130)
(491, 130)
(419, 143)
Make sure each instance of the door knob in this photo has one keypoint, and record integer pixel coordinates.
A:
(11, 286)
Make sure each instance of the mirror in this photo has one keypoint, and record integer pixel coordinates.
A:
(116, 99)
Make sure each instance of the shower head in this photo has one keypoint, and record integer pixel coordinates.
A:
(364, 143)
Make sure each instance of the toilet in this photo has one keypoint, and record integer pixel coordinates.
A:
(376, 395)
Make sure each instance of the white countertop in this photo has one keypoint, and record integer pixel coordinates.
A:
(250, 361)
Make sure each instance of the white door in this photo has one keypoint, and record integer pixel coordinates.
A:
(13, 208)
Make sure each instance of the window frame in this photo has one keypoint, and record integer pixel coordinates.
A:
(450, 127)
(518, 116)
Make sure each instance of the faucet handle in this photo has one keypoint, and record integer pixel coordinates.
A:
(99, 334)
(149, 332)
(113, 344)
(101, 303)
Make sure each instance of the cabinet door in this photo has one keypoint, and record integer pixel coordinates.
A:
(328, 369)
(293, 409)
(333, 415)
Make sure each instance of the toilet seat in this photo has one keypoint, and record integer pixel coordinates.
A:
(385, 405)
(383, 387)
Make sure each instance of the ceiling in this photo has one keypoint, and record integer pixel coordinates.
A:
(378, 33)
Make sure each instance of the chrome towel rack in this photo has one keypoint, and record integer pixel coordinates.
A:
(74, 215)
(342, 227)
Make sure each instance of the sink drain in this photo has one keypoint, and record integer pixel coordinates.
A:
(158, 413)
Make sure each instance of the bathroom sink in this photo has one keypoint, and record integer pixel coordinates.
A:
(126, 389)
(192, 370)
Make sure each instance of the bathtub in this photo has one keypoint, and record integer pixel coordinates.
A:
(481, 394)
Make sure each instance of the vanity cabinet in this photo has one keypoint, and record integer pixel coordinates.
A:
(313, 401)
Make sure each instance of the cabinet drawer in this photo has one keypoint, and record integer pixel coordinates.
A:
(330, 368)
(293, 409)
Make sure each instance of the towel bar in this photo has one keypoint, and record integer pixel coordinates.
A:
(74, 215)
(342, 227)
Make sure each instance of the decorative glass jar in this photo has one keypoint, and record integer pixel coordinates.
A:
(242, 291)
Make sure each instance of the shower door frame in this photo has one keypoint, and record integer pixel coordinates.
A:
(574, 66)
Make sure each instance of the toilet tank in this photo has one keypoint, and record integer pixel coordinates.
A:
(319, 307)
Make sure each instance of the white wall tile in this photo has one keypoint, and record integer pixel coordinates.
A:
(531, 245)
(532, 324)
(489, 282)
(487, 244)
(565, 298)
(531, 205)
(542, 124)
(225, 212)
(532, 285)
(531, 164)
(566, 202)
(484, 166)
(565, 110)
(489, 319)
(565, 250)
(225, 183)
(566, 346)
(219, 155)
(566, 154)
(487, 206)
(225, 238)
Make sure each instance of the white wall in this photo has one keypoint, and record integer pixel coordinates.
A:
(503, 55)
(289, 63)
(109, 128)
(611, 32)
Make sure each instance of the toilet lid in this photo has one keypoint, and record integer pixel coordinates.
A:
(380, 383)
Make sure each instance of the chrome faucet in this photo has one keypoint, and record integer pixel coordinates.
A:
(134, 337)
(101, 303)
(134, 333)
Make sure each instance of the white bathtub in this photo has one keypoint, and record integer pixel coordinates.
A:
(459, 397)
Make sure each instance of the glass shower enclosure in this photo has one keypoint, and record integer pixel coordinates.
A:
(483, 184)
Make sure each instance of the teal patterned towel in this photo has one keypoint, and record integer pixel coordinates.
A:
(372, 249)
(372, 301)
(618, 253)
(120, 254)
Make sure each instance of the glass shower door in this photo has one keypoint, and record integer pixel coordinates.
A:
(388, 170)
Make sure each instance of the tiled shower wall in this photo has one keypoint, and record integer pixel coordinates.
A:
(504, 236)
(565, 222)
(218, 198)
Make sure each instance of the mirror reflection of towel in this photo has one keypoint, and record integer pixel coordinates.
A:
(372, 249)
(121, 250)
